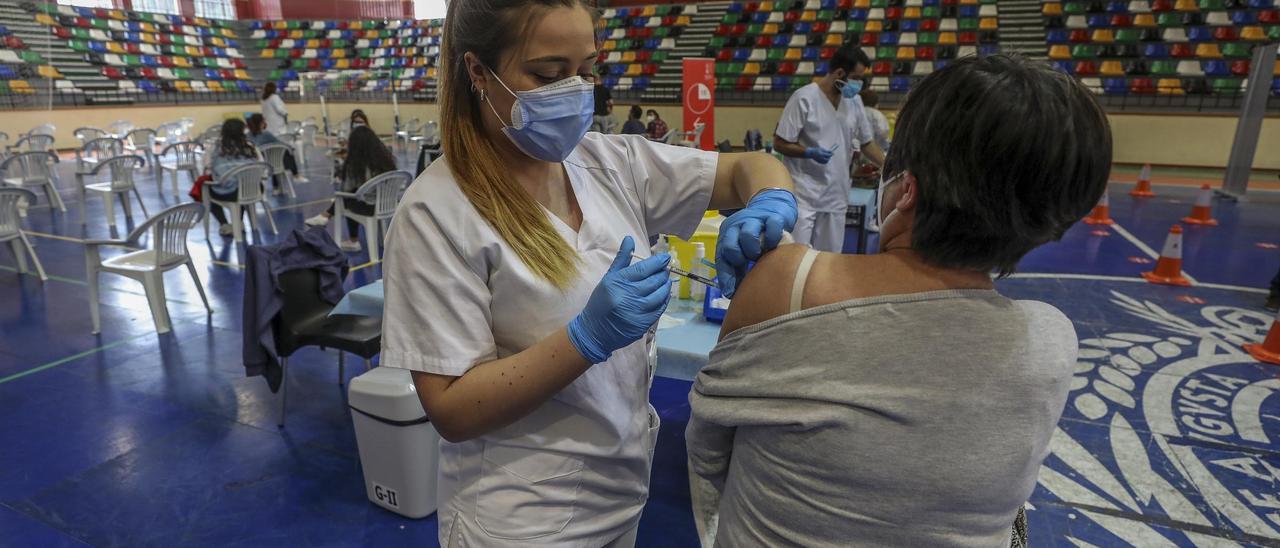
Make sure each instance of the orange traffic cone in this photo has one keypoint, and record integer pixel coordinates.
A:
(1201, 213)
(1101, 214)
(1143, 190)
(1169, 268)
(1269, 350)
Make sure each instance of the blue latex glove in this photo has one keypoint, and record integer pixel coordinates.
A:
(750, 233)
(818, 154)
(627, 302)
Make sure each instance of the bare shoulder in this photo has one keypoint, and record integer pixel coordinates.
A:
(765, 292)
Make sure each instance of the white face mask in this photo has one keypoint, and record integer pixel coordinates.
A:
(880, 197)
(649, 118)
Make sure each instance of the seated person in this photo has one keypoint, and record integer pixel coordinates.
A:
(232, 150)
(260, 136)
(633, 125)
(897, 399)
(366, 157)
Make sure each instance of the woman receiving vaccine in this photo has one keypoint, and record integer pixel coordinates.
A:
(511, 290)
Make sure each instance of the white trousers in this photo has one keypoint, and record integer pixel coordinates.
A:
(821, 230)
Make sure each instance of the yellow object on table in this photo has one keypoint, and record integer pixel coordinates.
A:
(683, 250)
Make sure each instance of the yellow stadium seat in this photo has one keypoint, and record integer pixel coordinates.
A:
(147, 38)
(340, 53)
(1059, 52)
(988, 23)
(48, 71)
(182, 86)
(296, 34)
(342, 64)
(1144, 20)
(968, 2)
(1208, 51)
(182, 62)
(634, 69)
(1051, 9)
(117, 15)
(751, 69)
(354, 25)
(906, 53)
(628, 57)
(21, 87)
(218, 42)
(214, 85)
(1111, 68)
(648, 11)
(610, 45)
(834, 40)
(228, 33)
(267, 54)
(194, 51)
(766, 7)
(771, 29)
(874, 26)
(1186, 5)
(1253, 33)
(115, 47)
(1170, 86)
(201, 22)
(911, 13)
(862, 4)
(44, 19)
(432, 72)
(793, 54)
(1103, 36)
(808, 16)
(683, 21)
(949, 39)
(146, 27)
(312, 43)
(242, 74)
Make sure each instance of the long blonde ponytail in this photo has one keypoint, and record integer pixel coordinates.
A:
(486, 28)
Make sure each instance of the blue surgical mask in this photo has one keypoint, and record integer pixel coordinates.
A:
(547, 123)
(850, 88)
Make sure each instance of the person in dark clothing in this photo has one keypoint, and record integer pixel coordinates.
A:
(601, 122)
(260, 136)
(232, 150)
(366, 158)
(1273, 299)
(634, 126)
(657, 128)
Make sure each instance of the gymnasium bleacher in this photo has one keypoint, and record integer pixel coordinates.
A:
(350, 55)
(635, 42)
(1170, 47)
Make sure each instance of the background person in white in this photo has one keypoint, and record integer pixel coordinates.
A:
(820, 127)
(273, 110)
(508, 290)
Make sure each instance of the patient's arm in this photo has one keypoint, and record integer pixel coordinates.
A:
(766, 291)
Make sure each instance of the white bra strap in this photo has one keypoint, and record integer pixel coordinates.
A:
(802, 275)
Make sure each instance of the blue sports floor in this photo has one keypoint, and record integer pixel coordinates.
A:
(129, 438)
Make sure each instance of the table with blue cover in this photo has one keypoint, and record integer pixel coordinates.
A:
(684, 337)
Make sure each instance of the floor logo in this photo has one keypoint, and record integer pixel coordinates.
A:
(1191, 425)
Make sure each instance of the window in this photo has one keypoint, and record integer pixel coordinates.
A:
(108, 4)
(216, 9)
(157, 6)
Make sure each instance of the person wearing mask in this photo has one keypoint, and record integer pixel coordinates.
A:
(260, 137)
(851, 399)
(656, 128)
(879, 123)
(232, 150)
(366, 157)
(511, 288)
(602, 120)
(273, 109)
(821, 127)
(633, 126)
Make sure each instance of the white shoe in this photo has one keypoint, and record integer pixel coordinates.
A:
(317, 220)
(350, 246)
(224, 230)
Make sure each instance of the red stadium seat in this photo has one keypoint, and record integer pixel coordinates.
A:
(149, 73)
(968, 38)
(764, 41)
(644, 56)
(929, 25)
(13, 42)
(133, 48)
(724, 55)
(786, 68)
(1121, 20)
(112, 73)
(882, 68)
(821, 27)
(1182, 50)
(791, 17)
(893, 12)
(1161, 5)
(826, 53)
(844, 5)
(722, 30)
(313, 64)
(1079, 36)
(1269, 16)
(1086, 68)
(1240, 67)
(60, 32)
(1225, 34)
(238, 63)
(739, 30)
(751, 7)
(745, 83)
(166, 61)
(869, 39)
(925, 53)
(650, 69)
(1142, 86)
(227, 74)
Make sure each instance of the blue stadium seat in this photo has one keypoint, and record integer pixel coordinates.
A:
(97, 47)
(148, 87)
(611, 81)
(210, 74)
(829, 4)
(4, 31)
(1275, 86)
(1056, 37)
(329, 63)
(323, 53)
(1064, 66)
(803, 28)
(87, 13)
(257, 25)
(860, 14)
(781, 40)
(1117, 6)
(735, 7)
(617, 69)
(821, 68)
(968, 12)
(809, 54)
(7, 73)
(888, 38)
(909, 25)
(1199, 34)
(1099, 21)
(783, 83)
(899, 84)
(1243, 17)
(760, 17)
(1261, 4)
(150, 61)
(988, 49)
(641, 83)
(1156, 51)
(1216, 68)
(741, 54)
(1115, 86)
(220, 52)
(290, 74)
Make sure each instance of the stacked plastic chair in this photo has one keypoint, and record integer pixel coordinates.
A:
(1171, 47)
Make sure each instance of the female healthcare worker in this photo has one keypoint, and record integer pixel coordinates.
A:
(510, 290)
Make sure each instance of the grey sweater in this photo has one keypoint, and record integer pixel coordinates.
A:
(905, 420)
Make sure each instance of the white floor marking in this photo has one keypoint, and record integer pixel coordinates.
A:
(1144, 247)
(1100, 277)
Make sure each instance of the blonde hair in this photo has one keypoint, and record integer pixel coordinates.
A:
(484, 28)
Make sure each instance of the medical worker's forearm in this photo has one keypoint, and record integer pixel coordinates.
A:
(495, 394)
(740, 176)
(874, 153)
(787, 148)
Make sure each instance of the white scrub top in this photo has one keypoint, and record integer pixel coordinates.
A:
(575, 471)
(810, 120)
(879, 127)
(274, 113)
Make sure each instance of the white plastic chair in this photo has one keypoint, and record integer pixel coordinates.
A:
(167, 251)
(405, 136)
(171, 132)
(692, 138)
(274, 153)
(86, 134)
(142, 142)
(182, 156)
(121, 170)
(306, 142)
(249, 178)
(120, 128)
(28, 169)
(43, 129)
(37, 142)
(384, 192)
(11, 228)
(95, 150)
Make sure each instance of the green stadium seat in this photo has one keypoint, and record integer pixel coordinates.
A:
(1084, 52)
(1226, 85)
(826, 15)
(1128, 35)
(856, 26)
(1164, 67)
(1074, 8)
(1211, 5)
(930, 12)
(968, 24)
(1169, 19)
(927, 38)
(1235, 50)
(1273, 32)
(879, 3)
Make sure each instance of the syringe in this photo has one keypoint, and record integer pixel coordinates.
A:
(681, 272)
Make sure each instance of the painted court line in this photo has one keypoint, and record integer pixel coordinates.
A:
(363, 266)
(71, 358)
(54, 237)
(1100, 277)
(1145, 248)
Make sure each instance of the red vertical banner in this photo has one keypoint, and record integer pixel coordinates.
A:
(700, 101)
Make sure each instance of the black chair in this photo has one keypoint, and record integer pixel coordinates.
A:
(304, 320)
(890, 25)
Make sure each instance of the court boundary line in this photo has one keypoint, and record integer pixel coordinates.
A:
(1147, 249)
(1106, 278)
(71, 358)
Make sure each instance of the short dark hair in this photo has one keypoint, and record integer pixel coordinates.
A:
(257, 124)
(849, 56)
(869, 98)
(636, 112)
(1008, 154)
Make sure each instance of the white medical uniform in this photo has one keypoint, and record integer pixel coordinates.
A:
(575, 471)
(879, 127)
(822, 190)
(275, 114)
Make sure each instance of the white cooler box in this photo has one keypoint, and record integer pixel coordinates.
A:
(399, 448)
